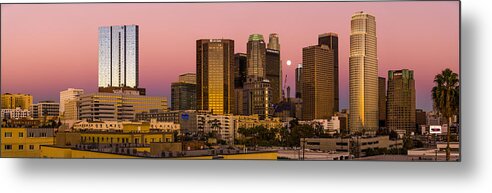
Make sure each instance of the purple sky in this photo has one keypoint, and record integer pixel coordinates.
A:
(49, 48)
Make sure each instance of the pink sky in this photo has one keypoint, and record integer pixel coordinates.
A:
(47, 48)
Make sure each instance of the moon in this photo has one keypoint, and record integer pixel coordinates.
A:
(289, 62)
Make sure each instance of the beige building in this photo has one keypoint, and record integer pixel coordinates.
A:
(363, 74)
(317, 82)
(223, 125)
(401, 101)
(351, 145)
(12, 101)
(121, 125)
(215, 78)
(117, 106)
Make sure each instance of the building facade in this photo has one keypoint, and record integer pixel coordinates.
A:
(256, 52)
(317, 82)
(401, 101)
(273, 69)
(16, 113)
(215, 78)
(118, 56)
(331, 40)
(49, 109)
(298, 78)
(117, 106)
(12, 101)
(363, 75)
(382, 101)
(25, 142)
(273, 42)
(183, 93)
(257, 96)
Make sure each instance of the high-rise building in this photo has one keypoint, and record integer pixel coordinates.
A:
(240, 77)
(117, 106)
(401, 101)
(274, 74)
(363, 75)
(317, 82)
(273, 42)
(420, 117)
(256, 56)
(299, 81)
(382, 101)
(49, 109)
(187, 78)
(12, 101)
(215, 78)
(118, 56)
(183, 93)
(69, 95)
(240, 69)
(331, 40)
(257, 96)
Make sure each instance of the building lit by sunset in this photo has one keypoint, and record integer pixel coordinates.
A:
(215, 78)
(363, 74)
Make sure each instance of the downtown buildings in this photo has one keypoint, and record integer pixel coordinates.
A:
(183, 92)
(363, 75)
(12, 101)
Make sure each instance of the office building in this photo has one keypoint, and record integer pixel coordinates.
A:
(274, 74)
(240, 77)
(331, 40)
(118, 56)
(317, 83)
(273, 42)
(183, 93)
(215, 78)
(221, 125)
(117, 106)
(363, 75)
(189, 78)
(256, 52)
(298, 78)
(68, 103)
(257, 96)
(382, 101)
(12, 101)
(48, 109)
(401, 101)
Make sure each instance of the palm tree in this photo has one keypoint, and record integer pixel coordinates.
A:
(215, 124)
(445, 95)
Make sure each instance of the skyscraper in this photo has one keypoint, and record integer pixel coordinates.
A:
(183, 92)
(331, 40)
(401, 101)
(240, 76)
(299, 81)
(317, 82)
(363, 76)
(382, 101)
(118, 56)
(257, 96)
(273, 42)
(256, 56)
(215, 78)
(274, 74)
(69, 100)
(67, 95)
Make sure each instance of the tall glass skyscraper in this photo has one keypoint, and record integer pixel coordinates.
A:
(118, 56)
(214, 76)
(256, 51)
(363, 74)
(331, 40)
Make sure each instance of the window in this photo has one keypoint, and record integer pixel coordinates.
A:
(31, 147)
(21, 134)
(8, 134)
(21, 147)
(8, 147)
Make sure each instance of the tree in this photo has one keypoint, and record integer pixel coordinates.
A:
(445, 96)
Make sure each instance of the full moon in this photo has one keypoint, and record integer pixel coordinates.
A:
(289, 62)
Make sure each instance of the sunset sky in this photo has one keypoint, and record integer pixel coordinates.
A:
(47, 48)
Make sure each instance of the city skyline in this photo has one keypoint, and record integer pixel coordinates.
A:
(156, 76)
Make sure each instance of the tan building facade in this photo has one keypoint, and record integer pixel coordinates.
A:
(363, 74)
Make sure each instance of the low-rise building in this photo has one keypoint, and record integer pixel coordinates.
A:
(354, 145)
(16, 113)
(25, 142)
